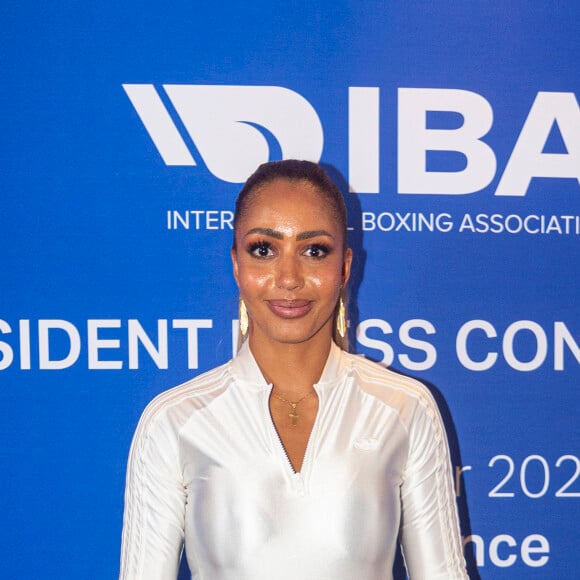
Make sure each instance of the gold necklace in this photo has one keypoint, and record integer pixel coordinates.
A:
(293, 414)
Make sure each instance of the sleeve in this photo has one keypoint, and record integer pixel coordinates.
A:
(153, 521)
(430, 536)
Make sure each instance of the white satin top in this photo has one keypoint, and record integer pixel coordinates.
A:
(207, 469)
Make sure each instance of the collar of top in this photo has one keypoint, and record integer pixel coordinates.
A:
(245, 368)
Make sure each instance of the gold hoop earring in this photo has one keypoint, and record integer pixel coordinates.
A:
(341, 319)
(243, 317)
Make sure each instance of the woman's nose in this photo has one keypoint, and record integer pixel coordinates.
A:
(289, 274)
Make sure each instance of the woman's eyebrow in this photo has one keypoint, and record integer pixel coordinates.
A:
(266, 232)
(313, 234)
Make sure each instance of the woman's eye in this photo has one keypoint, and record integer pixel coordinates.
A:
(317, 251)
(260, 250)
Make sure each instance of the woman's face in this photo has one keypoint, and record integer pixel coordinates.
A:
(290, 263)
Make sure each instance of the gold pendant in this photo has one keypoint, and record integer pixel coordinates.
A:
(293, 414)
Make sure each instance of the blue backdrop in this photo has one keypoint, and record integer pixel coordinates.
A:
(454, 131)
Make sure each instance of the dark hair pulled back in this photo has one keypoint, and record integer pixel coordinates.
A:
(292, 170)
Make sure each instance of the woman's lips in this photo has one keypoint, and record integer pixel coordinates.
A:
(290, 308)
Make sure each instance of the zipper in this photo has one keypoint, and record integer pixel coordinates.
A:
(297, 477)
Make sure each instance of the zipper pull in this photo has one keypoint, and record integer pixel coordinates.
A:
(300, 489)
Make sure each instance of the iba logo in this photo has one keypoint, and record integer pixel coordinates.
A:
(235, 128)
(230, 125)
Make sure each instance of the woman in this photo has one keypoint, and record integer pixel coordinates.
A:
(295, 460)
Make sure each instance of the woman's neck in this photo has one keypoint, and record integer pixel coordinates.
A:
(292, 368)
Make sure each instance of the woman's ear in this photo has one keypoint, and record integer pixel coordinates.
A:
(346, 266)
(234, 256)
